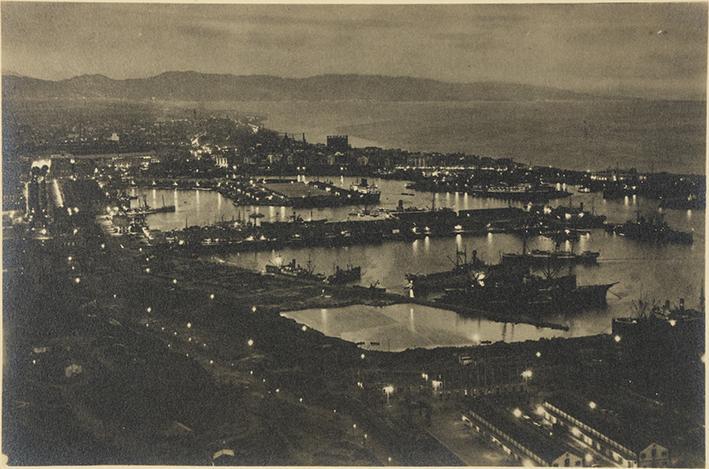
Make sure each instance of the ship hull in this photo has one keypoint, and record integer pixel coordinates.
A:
(543, 260)
(532, 301)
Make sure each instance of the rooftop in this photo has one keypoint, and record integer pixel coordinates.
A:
(622, 418)
(520, 429)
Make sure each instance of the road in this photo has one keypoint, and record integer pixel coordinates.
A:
(448, 428)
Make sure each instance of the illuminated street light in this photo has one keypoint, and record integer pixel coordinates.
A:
(538, 354)
(253, 309)
(77, 280)
(149, 309)
(388, 390)
(174, 281)
(527, 374)
(617, 339)
(304, 328)
(592, 405)
(189, 326)
(250, 342)
(211, 296)
(362, 356)
(517, 412)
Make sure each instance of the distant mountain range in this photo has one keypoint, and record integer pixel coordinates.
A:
(194, 86)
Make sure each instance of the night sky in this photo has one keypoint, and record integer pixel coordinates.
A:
(646, 50)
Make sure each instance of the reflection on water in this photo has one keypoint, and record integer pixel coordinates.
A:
(652, 271)
(204, 207)
(401, 326)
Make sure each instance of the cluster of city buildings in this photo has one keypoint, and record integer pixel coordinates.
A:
(572, 429)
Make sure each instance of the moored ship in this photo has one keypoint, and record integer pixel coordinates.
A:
(341, 276)
(516, 290)
(457, 277)
(541, 258)
(652, 229)
(295, 270)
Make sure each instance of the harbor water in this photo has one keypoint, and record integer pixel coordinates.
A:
(401, 326)
(642, 270)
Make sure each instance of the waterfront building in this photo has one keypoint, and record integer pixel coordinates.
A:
(660, 353)
(609, 429)
(338, 143)
(522, 441)
(67, 164)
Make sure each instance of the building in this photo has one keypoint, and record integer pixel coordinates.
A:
(521, 440)
(221, 162)
(338, 143)
(628, 442)
(121, 224)
(675, 331)
(660, 353)
(67, 164)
